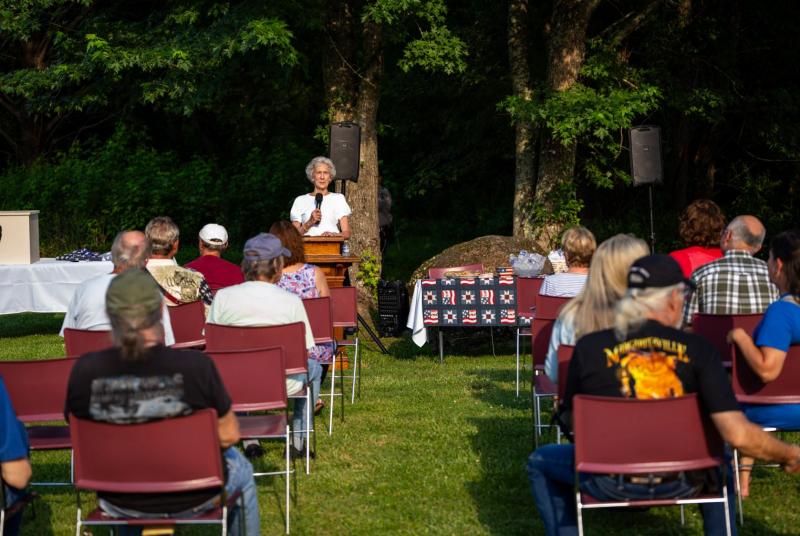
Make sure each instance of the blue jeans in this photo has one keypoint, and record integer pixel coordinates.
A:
(12, 525)
(299, 414)
(240, 478)
(551, 471)
(780, 416)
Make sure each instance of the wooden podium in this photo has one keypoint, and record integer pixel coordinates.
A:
(325, 252)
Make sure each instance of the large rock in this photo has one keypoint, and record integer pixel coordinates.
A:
(492, 251)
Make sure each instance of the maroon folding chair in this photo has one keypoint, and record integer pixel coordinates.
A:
(83, 341)
(527, 290)
(254, 381)
(670, 435)
(564, 357)
(149, 458)
(545, 314)
(38, 390)
(321, 319)
(291, 337)
(438, 273)
(344, 313)
(715, 328)
(749, 389)
(188, 321)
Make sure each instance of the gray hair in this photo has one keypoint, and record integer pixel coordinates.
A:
(126, 332)
(162, 233)
(740, 232)
(125, 254)
(256, 270)
(317, 160)
(629, 314)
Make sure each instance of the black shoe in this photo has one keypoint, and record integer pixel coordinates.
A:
(254, 451)
(299, 454)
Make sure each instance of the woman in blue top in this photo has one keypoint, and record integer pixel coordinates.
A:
(778, 330)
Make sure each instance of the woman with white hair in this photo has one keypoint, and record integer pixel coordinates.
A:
(321, 213)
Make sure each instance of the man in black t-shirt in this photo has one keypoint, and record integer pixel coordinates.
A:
(140, 380)
(646, 357)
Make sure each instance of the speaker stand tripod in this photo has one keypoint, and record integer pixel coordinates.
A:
(652, 225)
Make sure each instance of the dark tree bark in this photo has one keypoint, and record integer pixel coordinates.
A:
(518, 44)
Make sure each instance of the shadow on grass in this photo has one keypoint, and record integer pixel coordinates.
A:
(25, 324)
(38, 516)
(457, 341)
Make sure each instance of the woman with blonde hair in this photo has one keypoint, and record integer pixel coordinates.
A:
(593, 309)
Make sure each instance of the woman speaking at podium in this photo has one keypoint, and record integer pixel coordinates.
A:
(321, 213)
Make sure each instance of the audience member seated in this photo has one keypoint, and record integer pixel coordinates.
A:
(578, 245)
(645, 357)
(306, 281)
(737, 283)
(219, 273)
(14, 464)
(260, 302)
(179, 285)
(779, 329)
(700, 228)
(140, 379)
(593, 309)
(87, 308)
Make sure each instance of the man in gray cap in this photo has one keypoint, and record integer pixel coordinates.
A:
(140, 379)
(260, 302)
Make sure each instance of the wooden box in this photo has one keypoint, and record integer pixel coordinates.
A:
(19, 237)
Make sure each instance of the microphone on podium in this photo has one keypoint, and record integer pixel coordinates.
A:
(318, 202)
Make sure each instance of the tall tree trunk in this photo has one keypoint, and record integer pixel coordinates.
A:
(565, 56)
(518, 43)
(339, 59)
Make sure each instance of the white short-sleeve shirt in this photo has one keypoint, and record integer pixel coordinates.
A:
(334, 207)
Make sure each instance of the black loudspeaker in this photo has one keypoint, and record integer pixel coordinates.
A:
(646, 154)
(346, 150)
(392, 308)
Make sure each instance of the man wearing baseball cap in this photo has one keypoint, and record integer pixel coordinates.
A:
(619, 362)
(219, 273)
(139, 380)
(260, 302)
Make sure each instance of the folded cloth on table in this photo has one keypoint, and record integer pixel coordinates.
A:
(81, 254)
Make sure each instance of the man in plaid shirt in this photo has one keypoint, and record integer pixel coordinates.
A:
(737, 283)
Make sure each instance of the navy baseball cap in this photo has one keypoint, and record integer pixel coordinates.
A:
(656, 271)
(264, 247)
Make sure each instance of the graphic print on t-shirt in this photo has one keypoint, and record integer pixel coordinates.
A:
(646, 367)
(132, 399)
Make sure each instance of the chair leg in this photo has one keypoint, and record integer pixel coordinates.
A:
(491, 336)
(579, 512)
(728, 528)
(333, 388)
(309, 420)
(288, 477)
(517, 365)
(441, 347)
(683, 516)
(738, 485)
(355, 375)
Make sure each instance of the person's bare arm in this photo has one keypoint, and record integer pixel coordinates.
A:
(16, 473)
(228, 430)
(321, 283)
(344, 225)
(751, 440)
(765, 361)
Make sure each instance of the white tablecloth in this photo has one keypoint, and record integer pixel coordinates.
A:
(419, 334)
(45, 286)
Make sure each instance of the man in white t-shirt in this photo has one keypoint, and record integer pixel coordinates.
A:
(87, 308)
(259, 302)
(331, 217)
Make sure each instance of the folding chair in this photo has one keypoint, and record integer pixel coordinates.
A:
(438, 273)
(715, 328)
(254, 381)
(149, 458)
(527, 290)
(344, 313)
(320, 318)
(38, 390)
(83, 341)
(9, 512)
(564, 356)
(670, 435)
(545, 314)
(748, 388)
(292, 337)
(188, 321)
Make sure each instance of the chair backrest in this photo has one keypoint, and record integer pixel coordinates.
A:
(527, 290)
(319, 316)
(715, 328)
(785, 389)
(38, 388)
(668, 434)
(150, 457)
(188, 321)
(438, 273)
(545, 314)
(253, 378)
(564, 355)
(83, 341)
(344, 307)
(292, 337)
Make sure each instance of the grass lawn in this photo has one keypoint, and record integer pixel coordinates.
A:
(428, 449)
